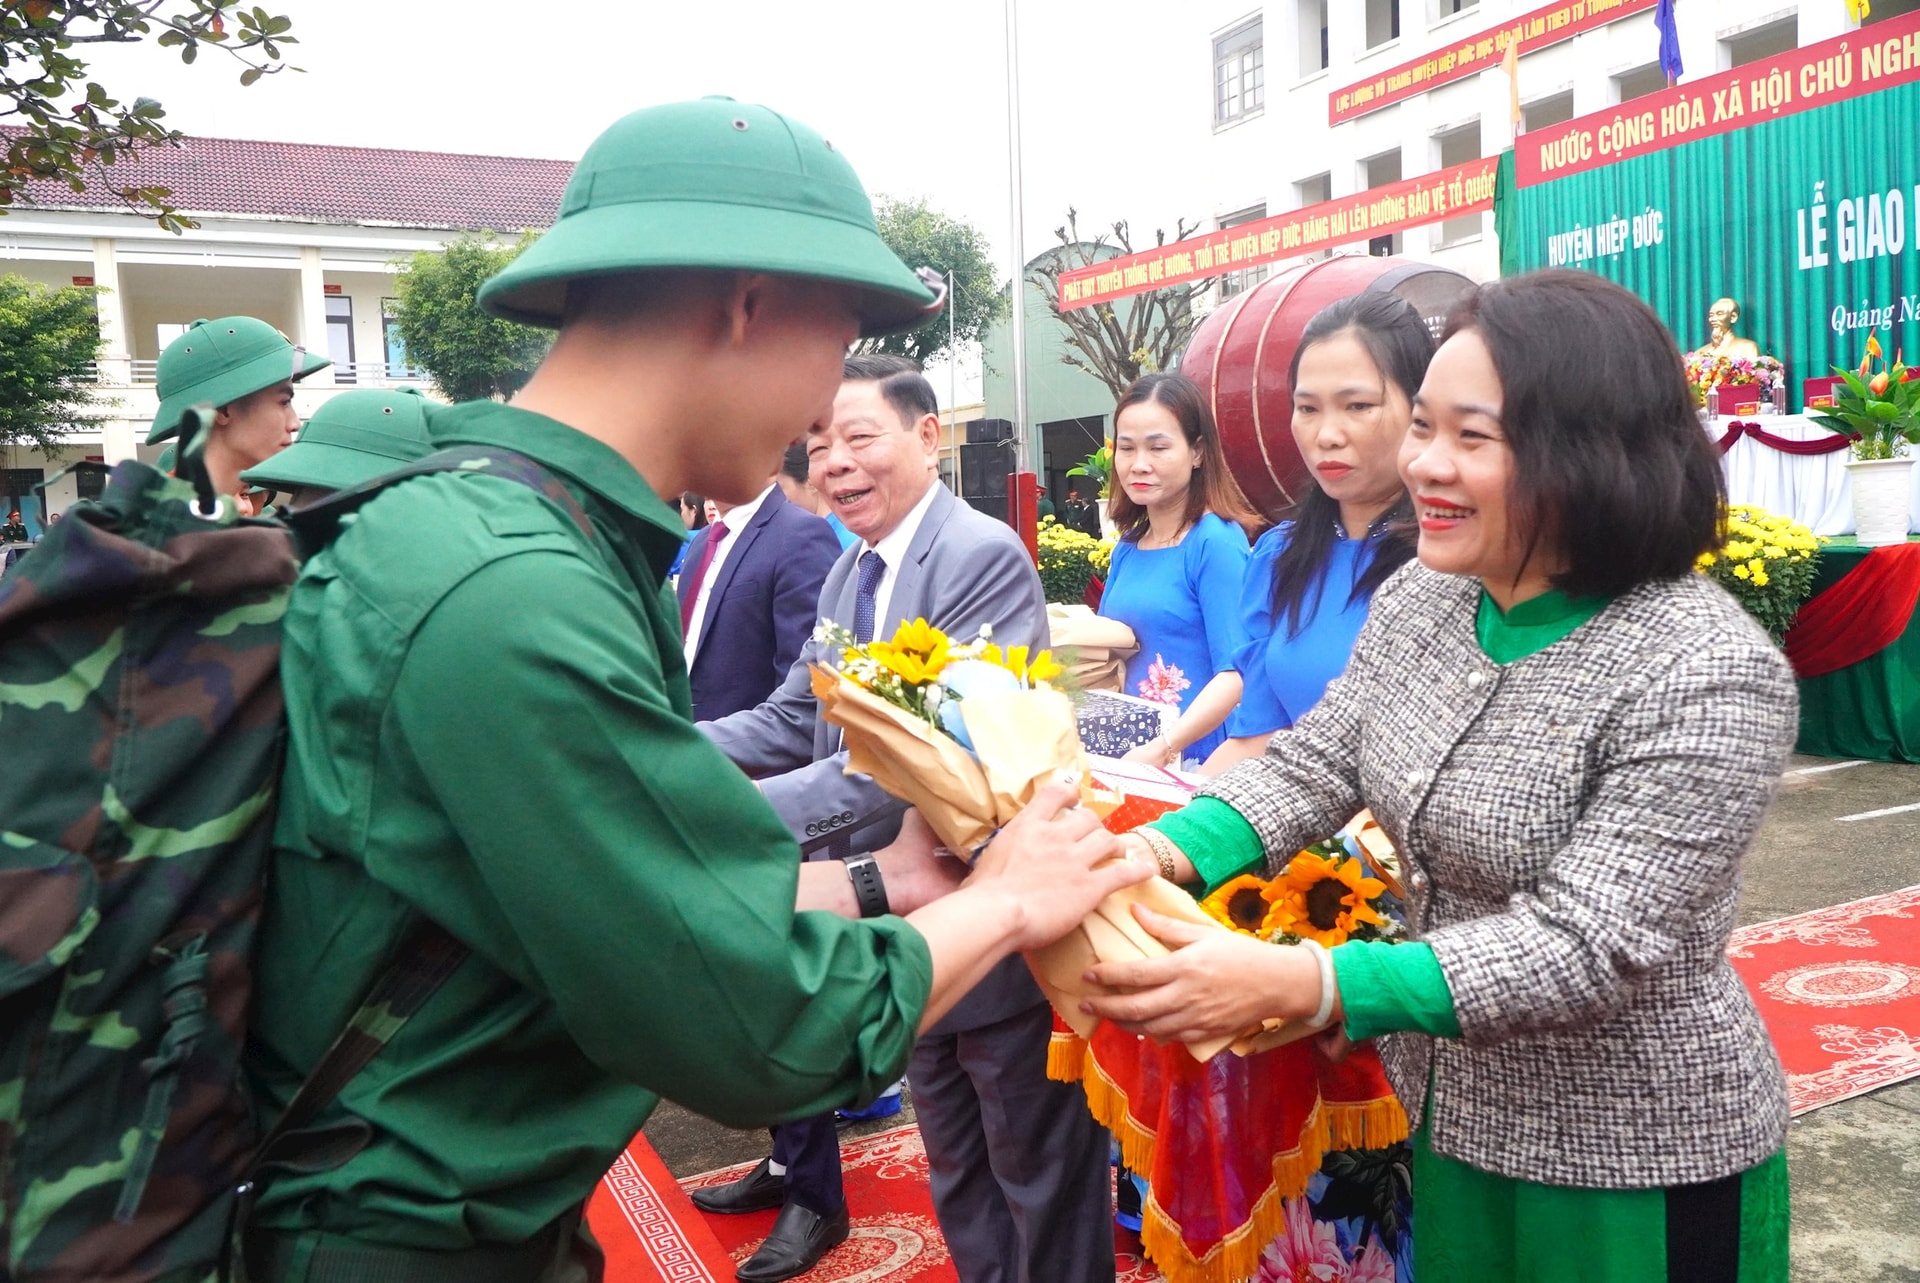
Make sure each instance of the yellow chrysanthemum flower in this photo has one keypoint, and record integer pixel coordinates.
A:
(1741, 572)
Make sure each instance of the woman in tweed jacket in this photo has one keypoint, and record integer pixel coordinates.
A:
(1571, 738)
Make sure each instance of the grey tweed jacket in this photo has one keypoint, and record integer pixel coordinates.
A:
(1573, 825)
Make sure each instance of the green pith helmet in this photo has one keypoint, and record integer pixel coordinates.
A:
(354, 437)
(719, 185)
(221, 361)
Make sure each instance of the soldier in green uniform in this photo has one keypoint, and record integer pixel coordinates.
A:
(246, 370)
(490, 726)
(15, 531)
(354, 437)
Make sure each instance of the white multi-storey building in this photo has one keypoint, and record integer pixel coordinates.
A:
(1271, 69)
(307, 238)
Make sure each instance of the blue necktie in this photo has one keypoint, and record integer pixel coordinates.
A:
(872, 567)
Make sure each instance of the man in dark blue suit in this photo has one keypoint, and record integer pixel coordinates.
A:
(749, 597)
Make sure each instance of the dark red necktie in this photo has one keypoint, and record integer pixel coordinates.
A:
(716, 533)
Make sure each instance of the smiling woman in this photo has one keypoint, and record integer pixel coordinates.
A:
(1570, 738)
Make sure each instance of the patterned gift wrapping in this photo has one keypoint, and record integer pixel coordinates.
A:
(1147, 792)
(1111, 725)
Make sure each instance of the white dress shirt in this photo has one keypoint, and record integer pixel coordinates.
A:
(893, 550)
(737, 519)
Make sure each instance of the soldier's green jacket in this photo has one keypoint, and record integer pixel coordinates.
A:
(490, 723)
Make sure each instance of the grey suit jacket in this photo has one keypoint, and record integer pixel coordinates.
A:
(961, 570)
(1573, 825)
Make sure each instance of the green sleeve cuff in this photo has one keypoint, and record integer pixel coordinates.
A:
(1393, 988)
(1215, 837)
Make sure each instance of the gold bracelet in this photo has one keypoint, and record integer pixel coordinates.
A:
(1162, 848)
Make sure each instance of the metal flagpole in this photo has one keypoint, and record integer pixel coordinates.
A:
(953, 390)
(1019, 298)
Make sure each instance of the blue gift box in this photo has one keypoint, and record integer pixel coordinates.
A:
(1112, 725)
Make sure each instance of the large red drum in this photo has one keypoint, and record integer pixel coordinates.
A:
(1240, 356)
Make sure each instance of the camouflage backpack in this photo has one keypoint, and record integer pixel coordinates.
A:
(141, 708)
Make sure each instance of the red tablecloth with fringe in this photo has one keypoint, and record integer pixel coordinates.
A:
(1222, 1143)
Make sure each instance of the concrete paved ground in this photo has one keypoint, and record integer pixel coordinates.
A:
(1855, 1166)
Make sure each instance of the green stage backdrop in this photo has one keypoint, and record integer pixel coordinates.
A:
(1811, 221)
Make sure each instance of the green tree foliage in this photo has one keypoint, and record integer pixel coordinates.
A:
(471, 356)
(72, 130)
(48, 339)
(924, 237)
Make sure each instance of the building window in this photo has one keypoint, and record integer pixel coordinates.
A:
(1447, 8)
(1457, 147)
(1378, 171)
(1243, 279)
(1547, 111)
(1313, 36)
(340, 336)
(1762, 42)
(1239, 74)
(1383, 22)
(1639, 82)
(396, 347)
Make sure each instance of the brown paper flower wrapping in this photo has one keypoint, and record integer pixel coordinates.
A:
(1024, 739)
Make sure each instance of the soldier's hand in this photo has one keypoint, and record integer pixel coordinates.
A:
(1052, 864)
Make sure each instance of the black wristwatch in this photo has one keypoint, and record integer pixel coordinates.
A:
(869, 892)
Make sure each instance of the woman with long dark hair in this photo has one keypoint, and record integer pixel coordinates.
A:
(1310, 579)
(1176, 571)
(1571, 738)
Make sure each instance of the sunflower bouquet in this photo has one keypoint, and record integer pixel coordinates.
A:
(964, 732)
(1324, 895)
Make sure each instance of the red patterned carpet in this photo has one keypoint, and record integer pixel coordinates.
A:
(894, 1239)
(1839, 989)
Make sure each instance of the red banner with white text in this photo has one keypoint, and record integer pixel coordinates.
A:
(1860, 62)
(1378, 211)
(1472, 54)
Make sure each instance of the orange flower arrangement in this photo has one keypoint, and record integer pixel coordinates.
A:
(1323, 895)
(1321, 898)
(1239, 905)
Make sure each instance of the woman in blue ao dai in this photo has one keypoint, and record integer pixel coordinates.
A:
(1176, 572)
(1310, 580)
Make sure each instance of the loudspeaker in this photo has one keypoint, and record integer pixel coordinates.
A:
(979, 430)
(983, 470)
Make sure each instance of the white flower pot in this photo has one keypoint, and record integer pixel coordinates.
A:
(1881, 490)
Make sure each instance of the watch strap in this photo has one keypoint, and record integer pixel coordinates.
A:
(869, 892)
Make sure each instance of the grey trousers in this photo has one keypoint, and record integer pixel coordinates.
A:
(1020, 1173)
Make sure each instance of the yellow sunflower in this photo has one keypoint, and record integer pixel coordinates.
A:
(1239, 905)
(917, 653)
(1321, 899)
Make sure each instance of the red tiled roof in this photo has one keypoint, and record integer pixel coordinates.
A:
(323, 184)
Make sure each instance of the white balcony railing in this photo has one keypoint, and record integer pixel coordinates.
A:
(123, 373)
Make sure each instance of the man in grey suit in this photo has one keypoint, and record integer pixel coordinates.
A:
(1019, 1169)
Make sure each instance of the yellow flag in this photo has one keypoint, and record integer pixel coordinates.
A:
(1511, 65)
(1858, 10)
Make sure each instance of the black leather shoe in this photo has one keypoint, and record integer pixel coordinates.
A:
(799, 1239)
(758, 1190)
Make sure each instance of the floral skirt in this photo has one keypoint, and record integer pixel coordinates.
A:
(1354, 1224)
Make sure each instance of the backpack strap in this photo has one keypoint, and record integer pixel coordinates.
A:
(316, 526)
